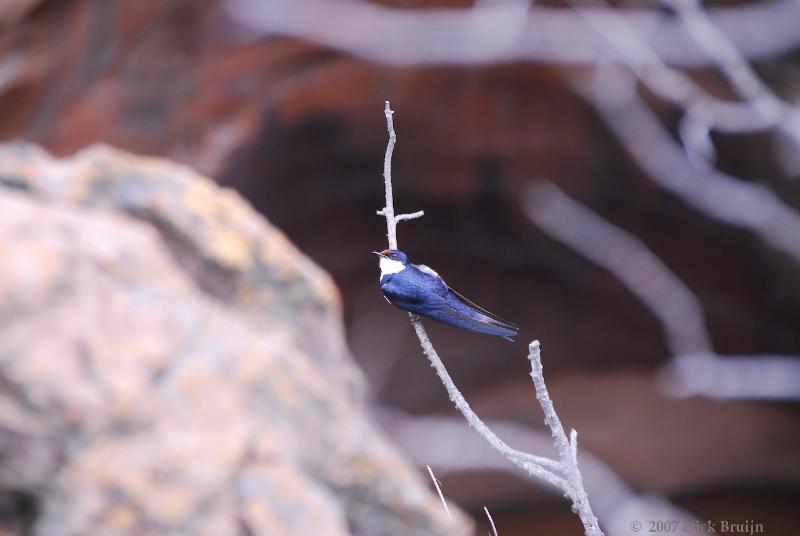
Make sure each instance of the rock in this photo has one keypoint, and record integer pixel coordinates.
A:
(171, 364)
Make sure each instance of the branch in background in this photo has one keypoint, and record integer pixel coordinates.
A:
(695, 368)
(433, 439)
(769, 377)
(760, 110)
(677, 308)
(741, 204)
(480, 34)
(563, 474)
(491, 521)
(648, 42)
(731, 62)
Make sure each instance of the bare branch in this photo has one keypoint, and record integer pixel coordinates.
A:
(716, 194)
(570, 483)
(494, 529)
(388, 210)
(651, 43)
(695, 368)
(573, 445)
(449, 35)
(439, 491)
(675, 306)
(411, 216)
(720, 47)
(767, 377)
(535, 468)
(433, 439)
(537, 464)
(567, 452)
(631, 47)
(695, 135)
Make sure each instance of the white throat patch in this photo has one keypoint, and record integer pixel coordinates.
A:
(388, 267)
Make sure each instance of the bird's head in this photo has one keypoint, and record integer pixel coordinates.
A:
(392, 261)
(393, 255)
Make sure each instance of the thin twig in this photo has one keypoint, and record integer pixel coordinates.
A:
(439, 490)
(567, 450)
(388, 210)
(494, 529)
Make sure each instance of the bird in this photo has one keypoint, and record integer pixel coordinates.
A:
(418, 289)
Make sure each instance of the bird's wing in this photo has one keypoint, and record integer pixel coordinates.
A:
(454, 317)
(459, 302)
(414, 297)
(447, 308)
(456, 310)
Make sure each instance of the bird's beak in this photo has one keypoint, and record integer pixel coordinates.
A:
(379, 254)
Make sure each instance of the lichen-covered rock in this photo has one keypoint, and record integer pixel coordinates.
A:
(170, 364)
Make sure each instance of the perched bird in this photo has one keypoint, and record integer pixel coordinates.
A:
(420, 290)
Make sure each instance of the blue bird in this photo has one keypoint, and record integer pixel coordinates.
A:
(421, 291)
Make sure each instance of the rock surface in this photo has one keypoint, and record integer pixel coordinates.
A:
(171, 364)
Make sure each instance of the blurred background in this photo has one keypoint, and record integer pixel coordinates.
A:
(622, 181)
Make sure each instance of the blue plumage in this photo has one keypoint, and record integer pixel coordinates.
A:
(420, 290)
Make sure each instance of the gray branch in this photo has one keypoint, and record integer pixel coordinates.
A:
(695, 369)
(562, 474)
(567, 448)
(718, 195)
(496, 32)
(433, 439)
(388, 210)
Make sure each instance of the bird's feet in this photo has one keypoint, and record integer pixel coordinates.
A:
(415, 319)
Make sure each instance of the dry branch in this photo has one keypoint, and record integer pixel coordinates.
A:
(433, 439)
(402, 36)
(564, 473)
(695, 369)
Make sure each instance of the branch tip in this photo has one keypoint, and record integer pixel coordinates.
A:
(411, 216)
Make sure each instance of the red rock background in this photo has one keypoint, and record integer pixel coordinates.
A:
(299, 131)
